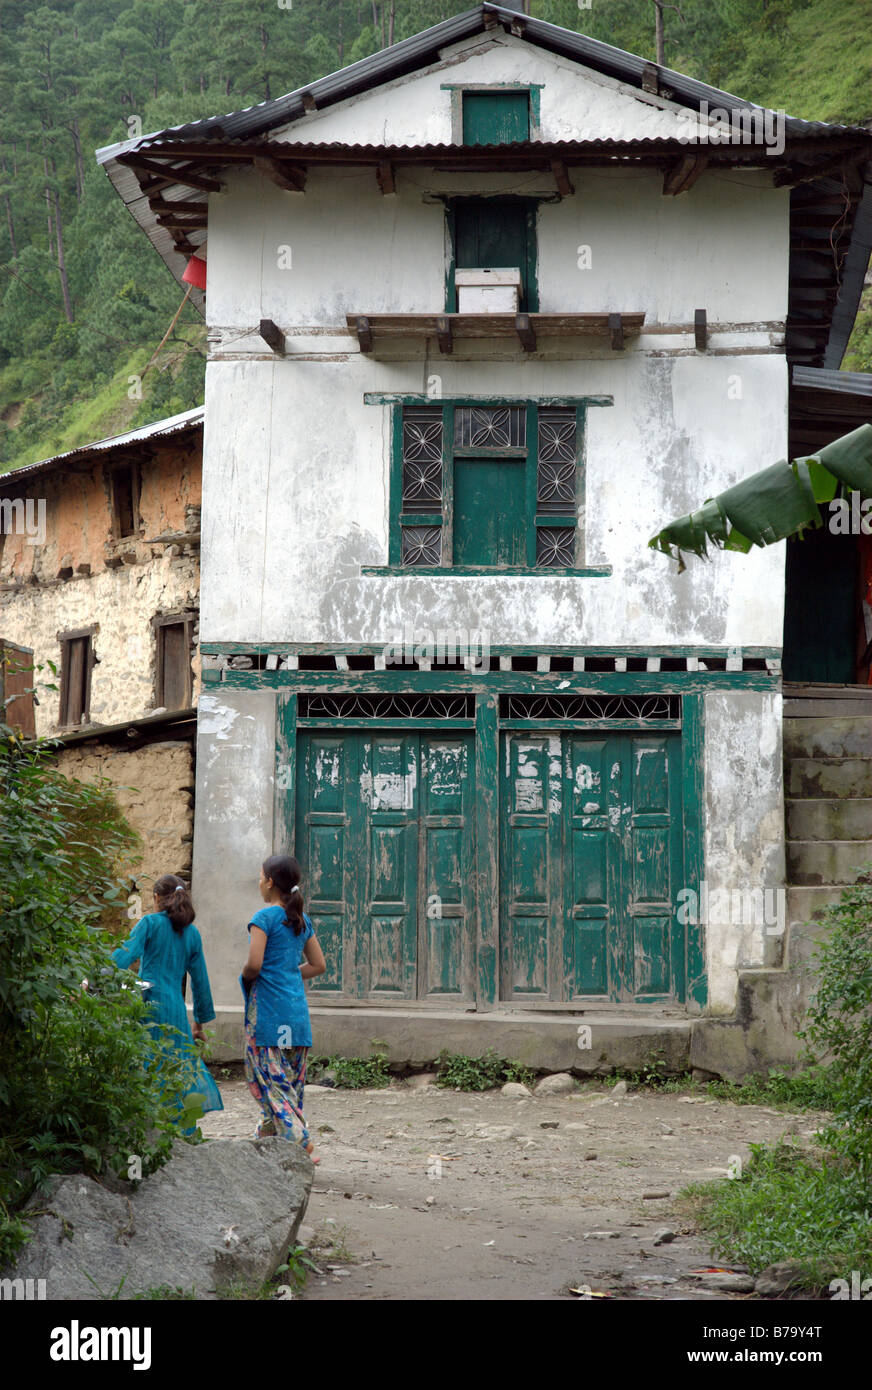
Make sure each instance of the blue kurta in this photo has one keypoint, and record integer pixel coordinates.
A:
(278, 992)
(165, 957)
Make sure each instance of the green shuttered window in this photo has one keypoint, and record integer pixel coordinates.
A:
(495, 118)
(491, 486)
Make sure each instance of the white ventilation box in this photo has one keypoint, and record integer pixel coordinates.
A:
(488, 291)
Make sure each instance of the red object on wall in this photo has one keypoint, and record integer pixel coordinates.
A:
(195, 273)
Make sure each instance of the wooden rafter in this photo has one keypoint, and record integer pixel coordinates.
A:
(525, 332)
(385, 175)
(272, 335)
(561, 178)
(685, 173)
(286, 176)
(443, 334)
(700, 329)
(616, 332)
(171, 175)
(364, 333)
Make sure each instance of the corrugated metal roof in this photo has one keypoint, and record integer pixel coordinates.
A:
(826, 379)
(415, 52)
(256, 122)
(173, 424)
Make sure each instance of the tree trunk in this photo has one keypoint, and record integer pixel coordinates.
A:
(658, 33)
(341, 43)
(391, 23)
(62, 264)
(77, 151)
(9, 218)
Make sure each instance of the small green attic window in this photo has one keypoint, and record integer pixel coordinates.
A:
(495, 118)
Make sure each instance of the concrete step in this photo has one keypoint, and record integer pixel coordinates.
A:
(822, 818)
(846, 737)
(826, 861)
(804, 902)
(828, 777)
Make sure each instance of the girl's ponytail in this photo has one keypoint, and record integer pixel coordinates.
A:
(285, 874)
(174, 899)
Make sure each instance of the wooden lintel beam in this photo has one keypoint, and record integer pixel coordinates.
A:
(272, 335)
(685, 173)
(526, 332)
(616, 332)
(364, 333)
(151, 166)
(385, 176)
(284, 175)
(700, 329)
(561, 178)
(443, 334)
(183, 224)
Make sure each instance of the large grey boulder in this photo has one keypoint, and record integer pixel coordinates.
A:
(217, 1214)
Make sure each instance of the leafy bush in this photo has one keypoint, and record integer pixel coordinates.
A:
(788, 1205)
(353, 1073)
(479, 1073)
(82, 1078)
(840, 1020)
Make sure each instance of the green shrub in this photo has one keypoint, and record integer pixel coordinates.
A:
(353, 1073)
(81, 1078)
(462, 1073)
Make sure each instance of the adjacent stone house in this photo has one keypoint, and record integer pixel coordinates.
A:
(100, 576)
(483, 311)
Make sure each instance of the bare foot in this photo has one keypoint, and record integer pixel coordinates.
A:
(310, 1151)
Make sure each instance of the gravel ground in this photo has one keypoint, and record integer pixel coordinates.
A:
(435, 1194)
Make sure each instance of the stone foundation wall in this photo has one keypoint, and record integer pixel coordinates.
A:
(155, 788)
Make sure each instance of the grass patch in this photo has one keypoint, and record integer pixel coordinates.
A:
(788, 1205)
(165, 1293)
(459, 1073)
(352, 1073)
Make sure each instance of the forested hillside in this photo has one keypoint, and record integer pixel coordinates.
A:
(85, 300)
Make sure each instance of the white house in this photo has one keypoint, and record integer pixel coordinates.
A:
(484, 311)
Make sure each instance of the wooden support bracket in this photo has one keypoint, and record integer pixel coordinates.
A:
(700, 329)
(309, 102)
(385, 176)
(651, 78)
(684, 174)
(526, 332)
(364, 333)
(165, 171)
(272, 335)
(561, 178)
(183, 224)
(443, 334)
(616, 332)
(284, 175)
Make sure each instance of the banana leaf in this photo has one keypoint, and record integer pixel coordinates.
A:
(775, 503)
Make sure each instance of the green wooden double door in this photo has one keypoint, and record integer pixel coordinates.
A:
(589, 857)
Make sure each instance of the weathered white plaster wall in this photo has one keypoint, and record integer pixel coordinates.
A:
(233, 827)
(744, 831)
(296, 500)
(415, 110)
(342, 247)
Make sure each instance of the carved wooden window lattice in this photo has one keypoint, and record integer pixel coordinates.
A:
(636, 707)
(436, 441)
(387, 706)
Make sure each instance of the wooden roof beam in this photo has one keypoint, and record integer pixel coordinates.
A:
(364, 333)
(616, 333)
(284, 175)
(700, 329)
(184, 224)
(561, 178)
(151, 166)
(162, 205)
(443, 334)
(385, 176)
(272, 335)
(683, 175)
(525, 331)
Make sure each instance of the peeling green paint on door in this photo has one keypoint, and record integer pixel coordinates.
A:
(590, 866)
(385, 837)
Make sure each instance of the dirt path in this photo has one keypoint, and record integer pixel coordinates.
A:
(441, 1194)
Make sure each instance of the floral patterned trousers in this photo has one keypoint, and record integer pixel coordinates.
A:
(276, 1077)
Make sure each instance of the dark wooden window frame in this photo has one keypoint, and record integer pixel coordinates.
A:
(132, 466)
(187, 620)
(65, 639)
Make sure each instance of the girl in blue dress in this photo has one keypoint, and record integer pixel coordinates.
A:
(168, 947)
(283, 952)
